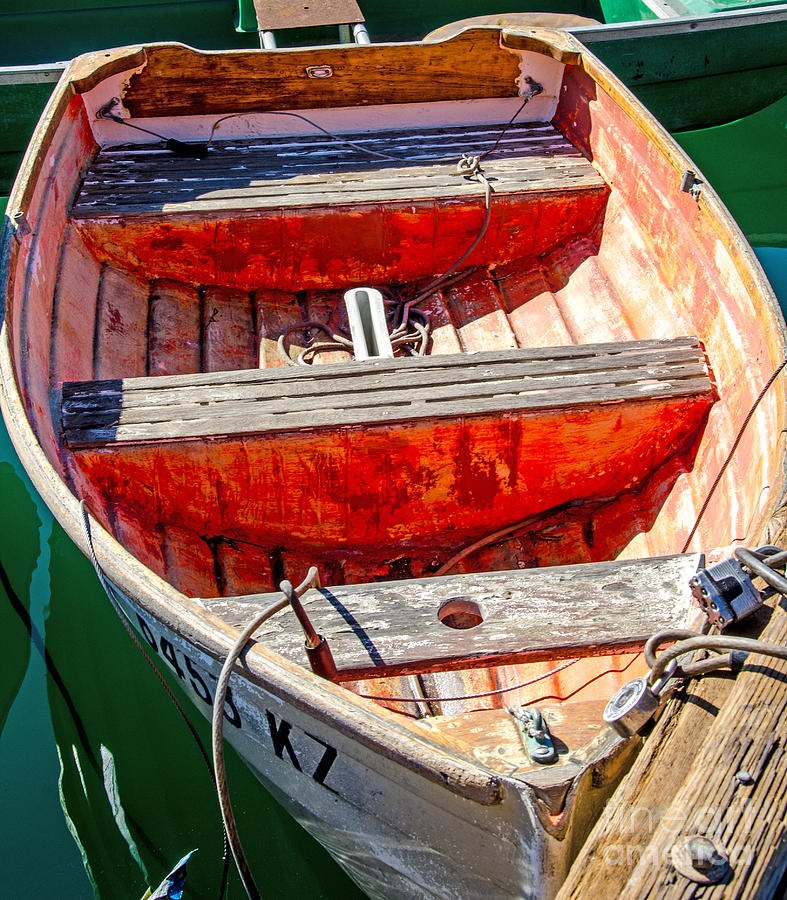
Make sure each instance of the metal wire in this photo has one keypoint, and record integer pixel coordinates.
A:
(514, 687)
(535, 89)
(734, 447)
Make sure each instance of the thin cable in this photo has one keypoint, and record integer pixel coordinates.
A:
(714, 642)
(734, 447)
(582, 687)
(535, 89)
(433, 285)
(501, 533)
(217, 735)
(514, 687)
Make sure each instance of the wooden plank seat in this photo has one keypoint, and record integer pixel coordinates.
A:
(312, 170)
(400, 627)
(490, 384)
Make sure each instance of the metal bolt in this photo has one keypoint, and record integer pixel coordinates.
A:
(700, 859)
(702, 852)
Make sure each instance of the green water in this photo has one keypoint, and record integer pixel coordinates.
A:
(103, 788)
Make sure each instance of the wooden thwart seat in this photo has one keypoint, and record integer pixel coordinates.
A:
(384, 391)
(313, 170)
(395, 628)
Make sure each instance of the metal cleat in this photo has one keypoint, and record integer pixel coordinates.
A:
(535, 734)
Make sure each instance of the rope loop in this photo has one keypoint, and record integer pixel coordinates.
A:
(468, 165)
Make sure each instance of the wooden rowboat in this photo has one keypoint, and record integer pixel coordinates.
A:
(499, 474)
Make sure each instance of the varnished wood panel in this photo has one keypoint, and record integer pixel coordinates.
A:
(180, 81)
(420, 488)
(316, 249)
(273, 14)
(394, 628)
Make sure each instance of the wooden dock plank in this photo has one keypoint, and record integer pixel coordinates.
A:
(683, 783)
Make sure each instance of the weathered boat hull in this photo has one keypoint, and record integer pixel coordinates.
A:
(398, 803)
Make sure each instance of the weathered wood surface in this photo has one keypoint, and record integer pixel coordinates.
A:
(314, 170)
(684, 783)
(367, 392)
(174, 332)
(177, 80)
(273, 15)
(548, 613)
(123, 317)
(228, 332)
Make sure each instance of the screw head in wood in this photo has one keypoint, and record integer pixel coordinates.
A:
(700, 859)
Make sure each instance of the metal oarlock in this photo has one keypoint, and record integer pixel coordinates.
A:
(317, 650)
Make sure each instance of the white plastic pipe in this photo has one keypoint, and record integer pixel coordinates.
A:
(368, 327)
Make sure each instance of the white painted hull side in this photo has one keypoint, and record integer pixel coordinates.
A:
(397, 834)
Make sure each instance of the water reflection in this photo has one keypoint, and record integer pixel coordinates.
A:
(104, 788)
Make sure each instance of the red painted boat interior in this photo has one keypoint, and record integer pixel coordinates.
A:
(638, 259)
